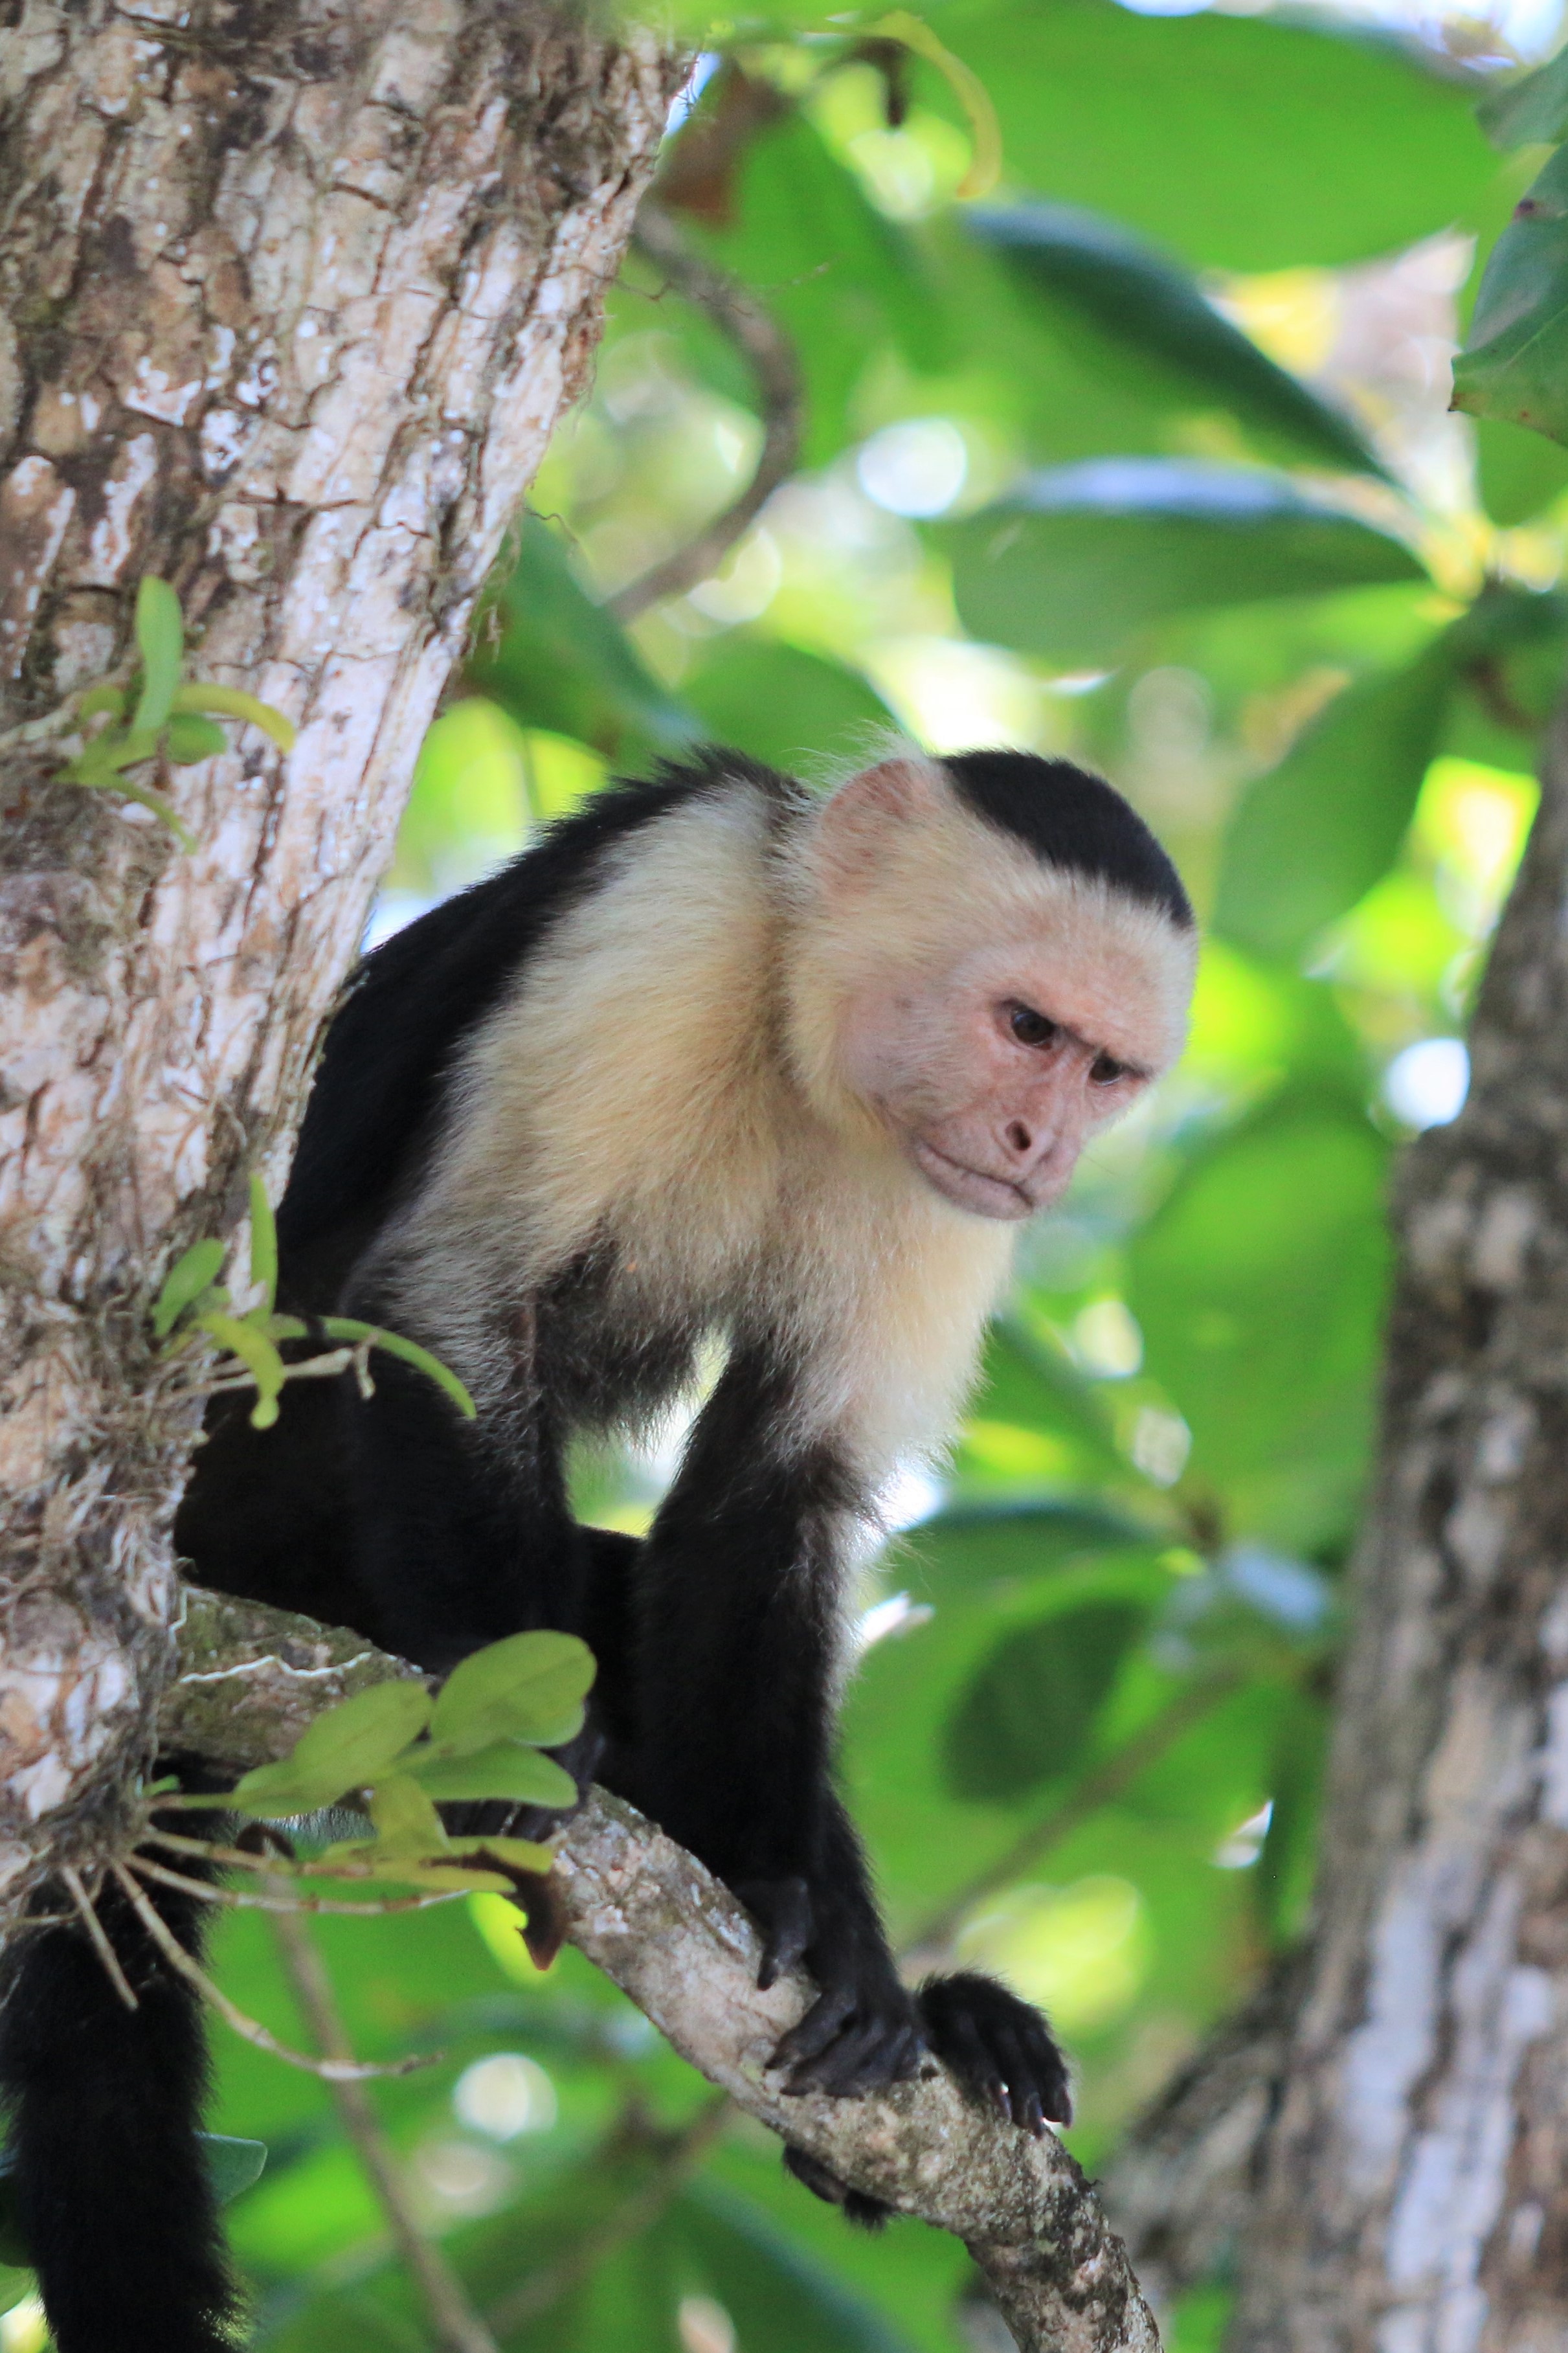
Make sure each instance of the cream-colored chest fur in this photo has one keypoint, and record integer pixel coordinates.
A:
(633, 1087)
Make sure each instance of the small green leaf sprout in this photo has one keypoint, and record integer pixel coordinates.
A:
(169, 722)
(193, 1304)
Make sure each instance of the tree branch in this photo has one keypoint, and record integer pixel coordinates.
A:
(736, 314)
(677, 1942)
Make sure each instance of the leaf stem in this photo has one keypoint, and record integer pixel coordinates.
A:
(87, 1913)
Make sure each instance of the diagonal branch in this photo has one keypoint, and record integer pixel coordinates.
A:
(663, 1930)
(776, 372)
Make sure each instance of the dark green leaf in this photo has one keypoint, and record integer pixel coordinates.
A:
(186, 1279)
(1027, 1714)
(530, 1687)
(563, 663)
(1138, 296)
(1312, 836)
(345, 1748)
(161, 641)
(1514, 364)
(782, 705)
(235, 2166)
(506, 1768)
(782, 2297)
(1073, 562)
(1530, 111)
(1245, 142)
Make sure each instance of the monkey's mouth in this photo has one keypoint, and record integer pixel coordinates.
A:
(970, 1188)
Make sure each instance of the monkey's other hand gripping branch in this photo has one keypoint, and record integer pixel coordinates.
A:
(676, 1940)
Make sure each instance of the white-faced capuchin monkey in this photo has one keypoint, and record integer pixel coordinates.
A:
(718, 1059)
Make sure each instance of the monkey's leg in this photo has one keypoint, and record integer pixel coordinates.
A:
(736, 1656)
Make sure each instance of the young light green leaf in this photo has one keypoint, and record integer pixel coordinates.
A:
(407, 1827)
(99, 699)
(348, 1747)
(263, 1243)
(530, 1687)
(257, 1354)
(190, 1275)
(507, 1768)
(523, 1854)
(233, 702)
(161, 639)
(350, 1328)
(191, 738)
(102, 775)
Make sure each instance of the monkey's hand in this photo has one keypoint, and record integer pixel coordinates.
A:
(864, 2029)
(999, 2048)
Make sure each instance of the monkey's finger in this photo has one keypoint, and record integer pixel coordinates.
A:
(850, 2064)
(781, 1909)
(817, 2029)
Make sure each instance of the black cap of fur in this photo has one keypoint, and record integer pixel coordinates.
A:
(1070, 818)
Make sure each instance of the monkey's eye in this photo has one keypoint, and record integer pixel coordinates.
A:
(1032, 1028)
(1106, 1069)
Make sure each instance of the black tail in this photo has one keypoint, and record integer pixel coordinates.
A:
(113, 2193)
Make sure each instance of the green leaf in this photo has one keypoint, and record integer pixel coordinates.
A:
(784, 2296)
(530, 1687)
(190, 1275)
(1258, 1285)
(1518, 473)
(524, 1854)
(161, 640)
(1142, 300)
(257, 1354)
(233, 702)
(232, 2165)
(780, 704)
(407, 1826)
(1027, 1714)
(1074, 563)
(1529, 111)
(100, 698)
(345, 1748)
(1243, 142)
(566, 664)
(1312, 836)
(1514, 364)
(263, 1242)
(191, 738)
(348, 1328)
(506, 1768)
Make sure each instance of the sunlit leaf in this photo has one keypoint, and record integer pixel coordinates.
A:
(530, 1687)
(161, 641)
(345, 1748)
(505, 1769)
(233, 702)
(256, 1353)
(186, 1279)
(406, 1823)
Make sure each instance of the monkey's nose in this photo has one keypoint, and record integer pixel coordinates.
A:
(1019, 1138)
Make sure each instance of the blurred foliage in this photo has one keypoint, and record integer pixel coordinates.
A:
(1146, 459)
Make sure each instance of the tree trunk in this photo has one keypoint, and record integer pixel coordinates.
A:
(1414, 2191)
(297, 296)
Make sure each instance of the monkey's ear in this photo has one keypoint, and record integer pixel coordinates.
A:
(856, 825)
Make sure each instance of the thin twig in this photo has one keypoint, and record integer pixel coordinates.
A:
(776, 371)
(87, 1913)
(932, 1939)
(457, 2327)
(677, 2163)
(331, 2071)
(246, 1899)
(234, 1858)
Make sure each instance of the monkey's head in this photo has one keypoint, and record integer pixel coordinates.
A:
(997, 958)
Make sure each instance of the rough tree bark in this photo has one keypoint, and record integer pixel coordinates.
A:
(295, 295)
(1414, 2186)
(665, 1931)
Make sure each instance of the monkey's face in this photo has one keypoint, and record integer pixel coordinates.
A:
(992, 1072)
